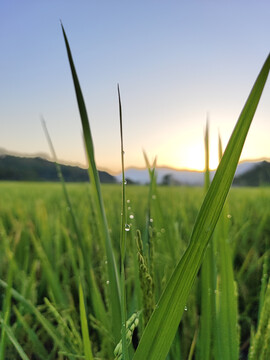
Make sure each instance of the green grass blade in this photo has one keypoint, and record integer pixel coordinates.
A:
(207, 280)
(13, 339)
(265, 276)
(114, 288)
(98, 305)
(36, 343)
(58, 340)
(227, 316)
(61, 178)
(227, 345)
(260, 349)
(206, 149)
(123, 235)
(53, 281)
(84, 326)
(6, 309)
(160, 331)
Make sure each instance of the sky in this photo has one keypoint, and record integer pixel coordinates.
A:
(176, 62)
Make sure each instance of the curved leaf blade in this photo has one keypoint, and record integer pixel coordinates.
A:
(160, 331)
(114, 288)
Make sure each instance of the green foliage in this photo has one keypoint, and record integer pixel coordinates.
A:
(61, 246)
(246, 229)
(260, 343)
(146, 282)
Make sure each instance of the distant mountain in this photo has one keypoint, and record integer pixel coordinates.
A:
(259, 175)
(39, 169)
(184, 177)
(141, 176)
(14, 166)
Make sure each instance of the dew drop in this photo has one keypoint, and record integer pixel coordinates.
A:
(106, 262)
(151, 220)
(229, 216)
(185, 308)
(129, 207)
(128, 201)
(127, 227)
(131, 216)
(107, 282)
(154, 197)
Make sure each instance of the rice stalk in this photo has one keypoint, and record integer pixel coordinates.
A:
(227, 334)
(84, 326)
(114, 287)
(208, 279)
(123, 235)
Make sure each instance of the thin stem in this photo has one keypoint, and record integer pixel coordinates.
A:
(123, 238)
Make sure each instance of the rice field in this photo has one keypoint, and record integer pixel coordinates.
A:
(143, 273)
(40, 261)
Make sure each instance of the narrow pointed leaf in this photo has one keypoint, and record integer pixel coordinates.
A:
(114, 288)
(123, 236)
(160, 331)
(84, 326)
(14, 341)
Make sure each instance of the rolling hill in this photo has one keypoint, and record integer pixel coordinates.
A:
(259, 175)
(38, 169)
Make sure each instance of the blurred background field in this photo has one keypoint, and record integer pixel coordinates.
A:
(38, 243)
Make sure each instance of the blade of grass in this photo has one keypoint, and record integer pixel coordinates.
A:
(95, 296)
(58, 340)
(36, 343)
(53, 281)
(13, 339)
(208, 279)
(85, 332)
(64, 326)
(114, 288)
(227, 345)
(124, 229)
(265, 276)
(206, 149)
(160, 331)
(259, 349)
(6, 307)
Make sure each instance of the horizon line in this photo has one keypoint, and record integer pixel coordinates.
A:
(114, 172)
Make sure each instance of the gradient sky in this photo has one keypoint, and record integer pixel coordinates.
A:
(175, 62)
